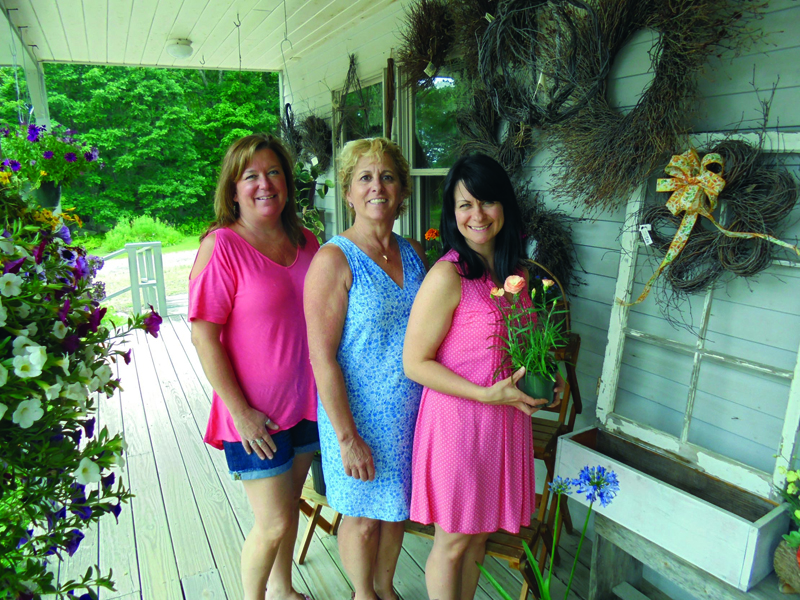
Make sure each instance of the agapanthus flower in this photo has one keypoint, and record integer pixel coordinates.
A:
(152, 322)
(47, 154)
(561, 485)
(597, 483)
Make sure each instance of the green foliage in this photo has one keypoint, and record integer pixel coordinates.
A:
(162, 134)
(306, 185)
(141, 229)
(435, 124)
(55, 358)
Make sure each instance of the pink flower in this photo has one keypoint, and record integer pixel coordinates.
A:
(152, 322)
(514, 284)
(548, 283)
(498, 292)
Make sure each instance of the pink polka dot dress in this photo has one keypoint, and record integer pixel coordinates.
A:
(472, 466)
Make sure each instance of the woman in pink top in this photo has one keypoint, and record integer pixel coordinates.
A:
(472, 467)
(246, 310)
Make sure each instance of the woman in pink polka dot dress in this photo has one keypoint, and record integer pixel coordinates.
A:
(472, 468)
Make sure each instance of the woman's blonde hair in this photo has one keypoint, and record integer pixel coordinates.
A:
(239, 155)
(374, 147)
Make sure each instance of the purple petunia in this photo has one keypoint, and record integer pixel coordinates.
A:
(71, 343)
(108, 480)
(64, 311)
(47, 154)
(65, 234)
(95, 318)
(15, 165)
(88, 427)
(25, 538)
(71, 544)
(92, 155)
(126, 356)
(13, 266)
(33, 133)
(116, 509)
(53, 518)
(38, 252)
(84, 512)
(152, 322)
(5, 131)
(70, 157)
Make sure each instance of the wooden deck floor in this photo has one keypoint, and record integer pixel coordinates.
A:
(180, 537)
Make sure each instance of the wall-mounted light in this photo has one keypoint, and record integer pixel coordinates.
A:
(180, 48)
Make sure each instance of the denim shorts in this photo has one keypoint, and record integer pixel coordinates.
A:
(302, 438)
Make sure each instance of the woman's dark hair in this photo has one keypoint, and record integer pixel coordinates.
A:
(486, 180)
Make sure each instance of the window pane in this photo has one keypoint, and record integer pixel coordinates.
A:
(362, 116)
(430, 189)
(435, 132)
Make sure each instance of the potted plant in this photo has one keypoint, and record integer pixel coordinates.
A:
(533, 333)
(43, 161)
(787, 554)
(307, 185)
(434, 251)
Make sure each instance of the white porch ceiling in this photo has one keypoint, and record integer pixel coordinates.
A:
(136, 32)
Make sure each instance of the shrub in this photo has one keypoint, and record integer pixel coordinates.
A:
(141, 229)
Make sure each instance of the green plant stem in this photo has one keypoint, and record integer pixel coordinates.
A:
(555, 538)
(578, 552)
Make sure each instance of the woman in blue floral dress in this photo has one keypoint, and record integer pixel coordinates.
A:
(358, 295)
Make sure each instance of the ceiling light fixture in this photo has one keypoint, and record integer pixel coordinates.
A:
(180, 48)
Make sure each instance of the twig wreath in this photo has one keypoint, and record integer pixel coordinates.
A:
(289, 131)
(317, 140)
(603, 154)
(552, 230)
(348, 112)
(529, 55)
(755, 192)
(426, 42)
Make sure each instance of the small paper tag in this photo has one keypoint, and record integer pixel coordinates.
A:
(644, 230)
(430, 70)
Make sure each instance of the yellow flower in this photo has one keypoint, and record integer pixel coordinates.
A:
(5, 177)
(496, 291)
(548, 283)
(43, 173)
(797, 513)
(792, 476)
(791, 489)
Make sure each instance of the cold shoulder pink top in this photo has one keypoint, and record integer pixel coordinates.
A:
(259, 303)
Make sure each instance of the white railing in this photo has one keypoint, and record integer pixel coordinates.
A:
(147, 276)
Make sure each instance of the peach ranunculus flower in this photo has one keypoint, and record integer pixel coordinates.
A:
(514, 284)
(432, 234)
(548, 283)
(497, 292)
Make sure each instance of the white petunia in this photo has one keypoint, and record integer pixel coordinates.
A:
(10, 285)
(25, 368)
(88, 352)
(87, 472)
(94, 384)
(119, 460)
(38, 355)
(53, 391)
(76, 391)
(3, 315)
(20, 345)
(3, 375)
(64, 364)
(23, 310)
(104, 373)
(6, 245)
(28, 412)
(32, 329)
(85, 372)
(59, 330)
(3, 409)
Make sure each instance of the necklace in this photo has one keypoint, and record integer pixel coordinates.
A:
(379, 251)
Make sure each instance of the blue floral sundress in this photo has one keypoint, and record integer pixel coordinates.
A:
(384, 402)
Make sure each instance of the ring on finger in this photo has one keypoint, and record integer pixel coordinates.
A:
(259, 441)
(268, 421)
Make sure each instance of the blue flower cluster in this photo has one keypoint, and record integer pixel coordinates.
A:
(598, 483)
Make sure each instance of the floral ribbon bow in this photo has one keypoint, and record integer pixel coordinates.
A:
(695, 190)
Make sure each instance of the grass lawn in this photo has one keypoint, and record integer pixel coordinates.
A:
(190, 242)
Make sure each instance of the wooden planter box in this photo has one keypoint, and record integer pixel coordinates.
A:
(723, 530)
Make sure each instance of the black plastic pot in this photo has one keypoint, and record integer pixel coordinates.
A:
(317, 476)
